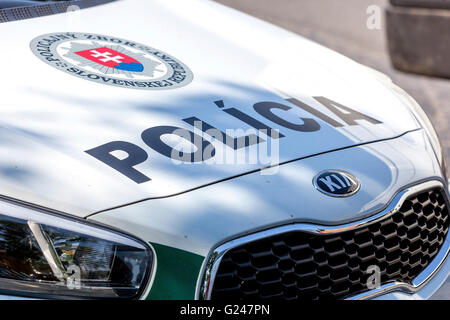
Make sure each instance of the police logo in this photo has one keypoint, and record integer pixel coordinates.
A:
(112, 61)
(336, 183)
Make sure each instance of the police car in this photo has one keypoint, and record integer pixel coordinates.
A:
(184, 150)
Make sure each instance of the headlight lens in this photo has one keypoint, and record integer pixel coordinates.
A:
(46, 255)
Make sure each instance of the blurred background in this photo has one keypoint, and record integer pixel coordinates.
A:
(414, 33)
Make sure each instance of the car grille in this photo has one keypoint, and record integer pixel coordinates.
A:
(303, 266)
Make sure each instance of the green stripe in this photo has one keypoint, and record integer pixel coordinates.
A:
(176, 274)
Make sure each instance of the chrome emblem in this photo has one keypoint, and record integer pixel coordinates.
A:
(336, 183)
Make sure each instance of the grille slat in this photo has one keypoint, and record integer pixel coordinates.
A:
(303, 266)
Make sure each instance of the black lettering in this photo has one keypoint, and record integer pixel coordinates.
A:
(136, 155)
(315, 112)
(50, 59)
(265, 109)
(349, 117)
(129, 83)
(235, 143)
(93, 76)
(119, 82)
(72, 69)
(254, 123)
(106, 79)
(81, 73)
(152, 137)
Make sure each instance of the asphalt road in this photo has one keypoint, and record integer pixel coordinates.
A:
(342, 26)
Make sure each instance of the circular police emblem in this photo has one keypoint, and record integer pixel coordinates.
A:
(111, 60)
(336, 183)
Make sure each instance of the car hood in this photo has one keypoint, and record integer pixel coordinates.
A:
(49, 119)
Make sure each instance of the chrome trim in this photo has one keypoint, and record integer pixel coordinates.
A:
(215, 257)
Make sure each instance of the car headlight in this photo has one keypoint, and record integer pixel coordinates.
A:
(46, 255)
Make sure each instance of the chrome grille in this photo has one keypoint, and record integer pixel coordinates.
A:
(304, 266)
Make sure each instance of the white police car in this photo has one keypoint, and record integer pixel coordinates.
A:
(184, 150)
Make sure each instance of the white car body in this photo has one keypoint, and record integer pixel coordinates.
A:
(49, 119)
